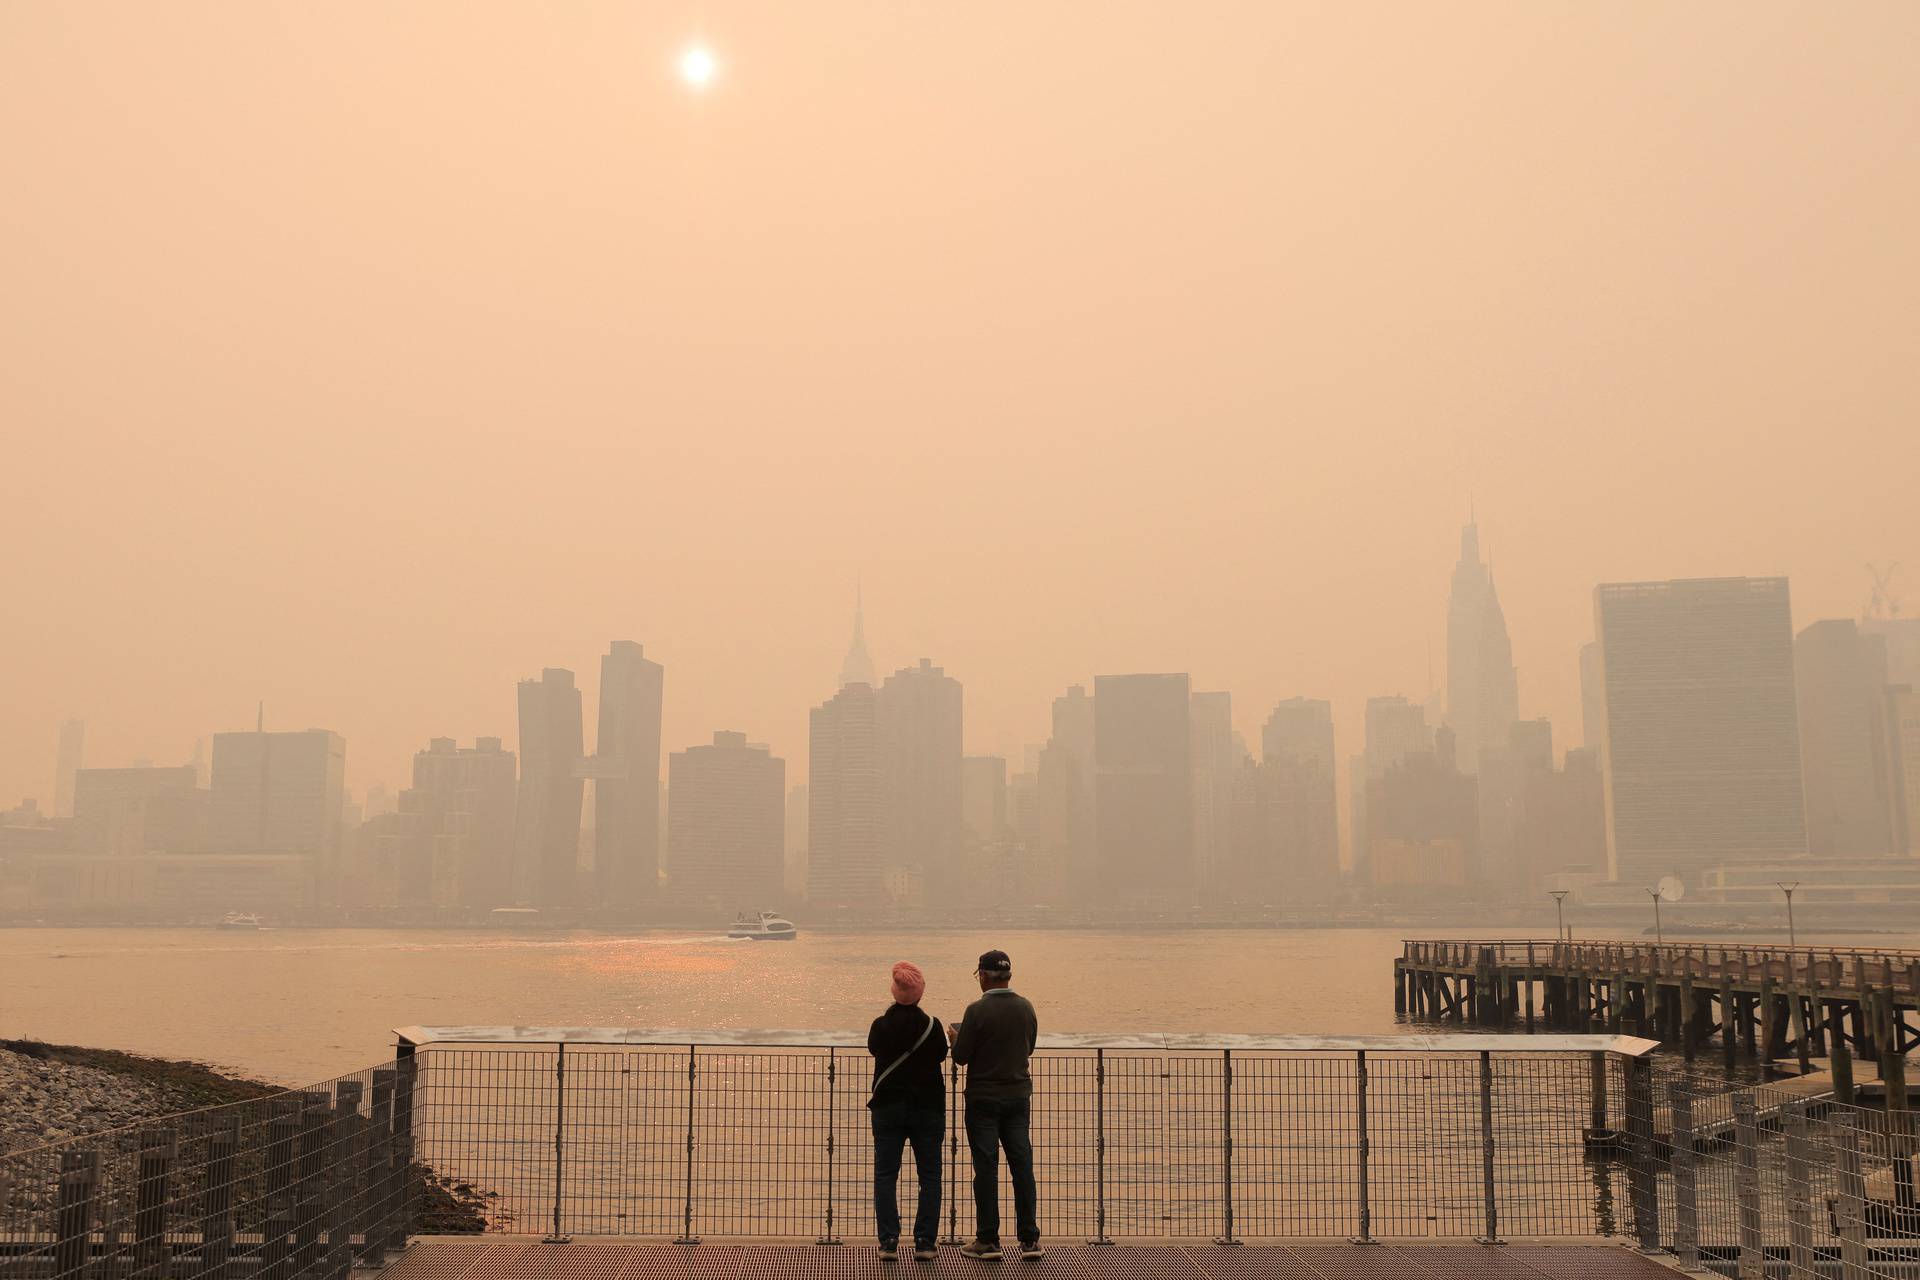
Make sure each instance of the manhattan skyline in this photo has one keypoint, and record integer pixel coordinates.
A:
(344, 380)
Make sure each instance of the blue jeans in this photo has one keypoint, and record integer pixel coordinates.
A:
(894, 1125)
(990, 1126)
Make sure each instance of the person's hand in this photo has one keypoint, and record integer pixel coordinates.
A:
(953, 1033)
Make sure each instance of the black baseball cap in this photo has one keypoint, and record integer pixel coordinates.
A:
(995, 964)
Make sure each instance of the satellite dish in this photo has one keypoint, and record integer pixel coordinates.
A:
(1672, 888)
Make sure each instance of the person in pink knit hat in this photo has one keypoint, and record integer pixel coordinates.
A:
(908, 1104)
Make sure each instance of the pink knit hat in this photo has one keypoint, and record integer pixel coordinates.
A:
(909, 984)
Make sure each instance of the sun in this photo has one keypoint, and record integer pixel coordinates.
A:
(697, 66)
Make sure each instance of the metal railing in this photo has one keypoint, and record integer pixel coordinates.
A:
(692, 1134)
(302, 1185)
(1825, 967)
(1767, 1182)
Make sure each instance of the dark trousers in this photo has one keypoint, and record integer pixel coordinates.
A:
(894, 1125)
(991, 1125)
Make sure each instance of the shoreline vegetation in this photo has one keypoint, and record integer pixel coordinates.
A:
(55, 1093)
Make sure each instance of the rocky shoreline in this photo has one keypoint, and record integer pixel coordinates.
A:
(54, 1093)
(51, 1093)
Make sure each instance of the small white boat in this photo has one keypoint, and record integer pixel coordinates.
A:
(768, 926)
(239, 920)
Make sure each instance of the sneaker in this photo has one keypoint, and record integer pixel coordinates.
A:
(979, 1248)
(888, 1252)
(1031, 1249)
(926, 1252)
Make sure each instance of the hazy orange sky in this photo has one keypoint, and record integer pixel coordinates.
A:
(366, 358)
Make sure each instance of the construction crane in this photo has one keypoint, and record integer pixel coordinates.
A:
(1883, 605)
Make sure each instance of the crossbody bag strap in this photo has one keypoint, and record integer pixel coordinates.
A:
(924, 1033)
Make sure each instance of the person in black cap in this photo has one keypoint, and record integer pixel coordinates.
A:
(993, 1042)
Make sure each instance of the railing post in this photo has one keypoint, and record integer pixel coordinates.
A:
(216, 1198)
(283, 1136)
(1746, 1186)
(686, 1235)
(1226, 1235)
(79, 1184)
(1852, 1198)
(1100, 1235)
(158, 1150)
(1799, 1193)
(1489, 1201)
(1365, 1146)
(1641, 1175)
(833, 1070)
(400, 1209)
(557, 1235)
(378, 1159)
(1686, 1185)
(953, 1156)
(342, 1164)
(316, 1114)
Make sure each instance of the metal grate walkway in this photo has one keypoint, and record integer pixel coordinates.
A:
(470, 1259)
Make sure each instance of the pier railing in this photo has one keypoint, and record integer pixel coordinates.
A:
(700, 1134)
(1829, 968)
(1767, 1182)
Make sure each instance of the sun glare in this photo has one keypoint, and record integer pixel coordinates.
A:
(697, 66)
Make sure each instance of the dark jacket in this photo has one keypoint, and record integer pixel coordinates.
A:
(917, 1080)
(997, 1036)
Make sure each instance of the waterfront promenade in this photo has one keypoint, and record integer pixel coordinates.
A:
(441, 1258)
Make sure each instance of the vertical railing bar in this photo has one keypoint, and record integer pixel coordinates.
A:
(686, 1235)
(953, 1154)
(1099, 1148)
(1226, 1237)
(557, 1236)
(826, 1235)
(1365, 1148)
(1489, 1201)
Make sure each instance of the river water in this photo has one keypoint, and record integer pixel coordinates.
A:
(294, 1005)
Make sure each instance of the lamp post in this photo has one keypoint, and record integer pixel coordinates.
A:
(1659, 938)
(1559, 897)
(1786, 888)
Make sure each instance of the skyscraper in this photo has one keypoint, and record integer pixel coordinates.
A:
(920, 719)
(1296, 746)
(453, 845)
(846, 816)
(1703, 743)
(67, 762)
(134, 811)
(1065, 795)
(626, 778)
(1395, 729)
(857, 667)
(277, 792)
(725, 822)
(1847, 747)
(795, 878)
(1215, 764)
(1482, 690)
(547, 812)
(1143, 789)
(1593, 696)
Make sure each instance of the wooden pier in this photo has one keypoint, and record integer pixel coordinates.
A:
(1759, 1003)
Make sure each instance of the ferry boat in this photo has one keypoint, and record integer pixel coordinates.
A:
(239, 920)
(768, 926)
